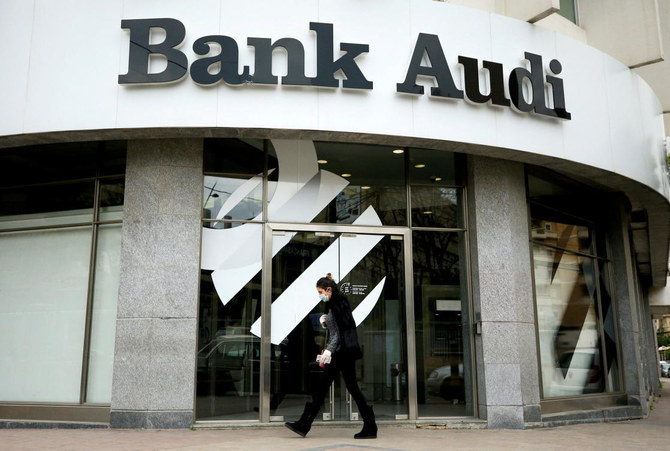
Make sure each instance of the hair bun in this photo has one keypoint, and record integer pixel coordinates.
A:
(329, 276)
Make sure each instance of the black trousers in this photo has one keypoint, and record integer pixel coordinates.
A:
(339, 364)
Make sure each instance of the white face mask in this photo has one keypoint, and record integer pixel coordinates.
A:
(323, 297)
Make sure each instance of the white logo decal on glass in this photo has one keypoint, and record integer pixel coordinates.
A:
(299, 298)
(302, 191)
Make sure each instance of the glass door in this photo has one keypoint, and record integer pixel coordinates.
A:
(370, 272)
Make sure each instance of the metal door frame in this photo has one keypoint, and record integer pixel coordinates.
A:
(266, 302)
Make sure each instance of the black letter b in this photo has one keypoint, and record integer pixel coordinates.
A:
(140, 51)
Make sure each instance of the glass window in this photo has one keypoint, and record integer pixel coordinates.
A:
(568, 323)
(233, 156)
(44, 280)
(49, 163)
(369, 270)
(569, 10)
(435, 195)
(46, 205)
(232, 198)
(436, 207)
(228, 361)
(572, 237)
(112, 192)
(432, 167)
(441, 325)
(331, 183)
(101, 354)
(575, 315)
(233, 184)
(47, 269)
(337, 183)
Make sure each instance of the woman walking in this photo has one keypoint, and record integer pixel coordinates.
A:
(340, 355)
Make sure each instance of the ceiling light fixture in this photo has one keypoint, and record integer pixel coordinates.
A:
(346, 175)
(322, 161)
(420, 165)
(398, 151)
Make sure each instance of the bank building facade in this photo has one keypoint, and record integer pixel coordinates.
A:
(486, 182)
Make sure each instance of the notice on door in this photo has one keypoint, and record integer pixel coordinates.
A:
(349, 289)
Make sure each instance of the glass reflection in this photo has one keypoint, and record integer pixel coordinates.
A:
(229, 198)
(228, 359)
(436, 207)
(101, 358)
(432, 167)
(296, 373)
(45, 205)
(570, 346)
(609, 329)
(571, 237)
(112, 193)
(337, 183)
(442, 327)
(382, 370)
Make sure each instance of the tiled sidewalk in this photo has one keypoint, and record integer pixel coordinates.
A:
(652, 433)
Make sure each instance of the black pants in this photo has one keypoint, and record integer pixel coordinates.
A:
(347, 367)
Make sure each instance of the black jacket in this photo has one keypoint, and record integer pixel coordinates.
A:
(346, 324)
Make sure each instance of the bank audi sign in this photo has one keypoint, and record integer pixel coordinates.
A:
(526, 86)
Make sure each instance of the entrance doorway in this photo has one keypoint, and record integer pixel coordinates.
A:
(370, 271)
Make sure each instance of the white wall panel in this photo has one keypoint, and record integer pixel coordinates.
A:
(587, 136)
(68, 61)
(15, 35)
(73, 57)
(628, 153)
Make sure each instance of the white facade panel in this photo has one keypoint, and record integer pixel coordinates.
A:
(73, 57)
(78, 49)
(587, 136)
(15, 34)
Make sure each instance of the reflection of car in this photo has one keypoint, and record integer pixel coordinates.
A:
(665, 368)
(229, 363)
(440, 382)
(578, 372)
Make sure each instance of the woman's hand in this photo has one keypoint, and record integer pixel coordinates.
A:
(325, 358)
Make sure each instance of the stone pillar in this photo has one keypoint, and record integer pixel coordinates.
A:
(154, 359)
(508, 375)
(631, 314)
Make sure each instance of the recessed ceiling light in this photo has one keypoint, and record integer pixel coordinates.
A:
(399, 151)
(438, 179)
(345, 175)
(420, 165)
(322, 161)
(365, 187)
(428, 212)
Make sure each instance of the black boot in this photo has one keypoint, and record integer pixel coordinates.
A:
(369, 426)
(304, 424)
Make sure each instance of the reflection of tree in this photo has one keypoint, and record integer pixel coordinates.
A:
(434, 206)
(436, 258)
(389, 203)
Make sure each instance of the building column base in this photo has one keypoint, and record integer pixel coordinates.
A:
(144, 419)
